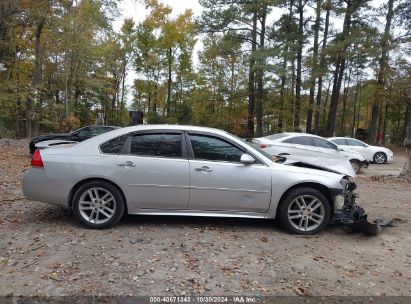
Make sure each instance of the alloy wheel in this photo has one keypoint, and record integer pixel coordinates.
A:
(379, 158)
(306, 213)
(97, 205)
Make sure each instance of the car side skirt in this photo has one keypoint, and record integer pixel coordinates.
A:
(205, 213)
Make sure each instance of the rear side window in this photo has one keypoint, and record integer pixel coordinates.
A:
(157, 145)
(339, 141)
(300, 140)
(113, 146)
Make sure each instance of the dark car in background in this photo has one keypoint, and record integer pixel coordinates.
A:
(76, 135)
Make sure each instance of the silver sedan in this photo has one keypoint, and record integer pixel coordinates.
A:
(180, 170)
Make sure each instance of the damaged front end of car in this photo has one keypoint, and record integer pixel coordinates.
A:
(348, 213)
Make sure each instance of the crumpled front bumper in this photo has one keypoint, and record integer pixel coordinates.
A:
(349, 214)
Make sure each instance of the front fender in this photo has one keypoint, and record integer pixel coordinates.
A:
(285, 178)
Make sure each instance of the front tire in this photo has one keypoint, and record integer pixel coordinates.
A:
(98, 205)
(356, 165)
(380, 158)
(304, 211)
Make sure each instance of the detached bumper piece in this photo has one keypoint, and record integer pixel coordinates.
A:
(353, 216)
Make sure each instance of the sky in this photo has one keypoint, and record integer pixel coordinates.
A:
(135, 9)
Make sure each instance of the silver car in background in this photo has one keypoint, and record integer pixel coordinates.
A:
(181, 170)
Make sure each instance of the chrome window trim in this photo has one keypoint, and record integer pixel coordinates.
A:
(125, 151)
(245, 149)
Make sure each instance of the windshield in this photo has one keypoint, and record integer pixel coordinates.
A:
(76, 130)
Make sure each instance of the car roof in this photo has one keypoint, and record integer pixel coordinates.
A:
(93, 142)
(293, 134)
(345, 137)
(114, 127)
(125, 130)
(173, 127)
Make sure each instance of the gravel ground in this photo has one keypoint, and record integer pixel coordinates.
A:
(43, 251)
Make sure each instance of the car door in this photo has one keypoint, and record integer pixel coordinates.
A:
(359, 146)
(355, 145)
(301, 146)
(155, 170)
(220, 182)
(326, 148)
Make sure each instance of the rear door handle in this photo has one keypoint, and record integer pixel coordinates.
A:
(126, 164)
(204, 169)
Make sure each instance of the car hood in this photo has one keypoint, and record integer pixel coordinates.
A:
(379, 148)
(339, 166)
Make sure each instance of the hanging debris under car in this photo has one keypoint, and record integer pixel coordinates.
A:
(353, 216)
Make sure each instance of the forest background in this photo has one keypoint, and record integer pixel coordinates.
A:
(251, 67)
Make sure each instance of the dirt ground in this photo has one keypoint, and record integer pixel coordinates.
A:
(43, 251)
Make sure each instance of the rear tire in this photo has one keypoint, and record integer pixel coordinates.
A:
(380, 158)
(304, 211)
(98, 205)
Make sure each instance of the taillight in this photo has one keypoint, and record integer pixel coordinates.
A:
(263, 146)
(36, 160)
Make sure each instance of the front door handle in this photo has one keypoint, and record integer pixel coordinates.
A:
(204, 169)
(126, 164)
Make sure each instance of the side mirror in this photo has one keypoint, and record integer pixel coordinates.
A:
(247, 159)
(340, 149)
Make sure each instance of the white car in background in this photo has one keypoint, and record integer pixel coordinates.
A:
(375, 154)
(309, 146)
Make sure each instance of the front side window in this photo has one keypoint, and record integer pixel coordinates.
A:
(322, 143)
(114, 146)
(299, 140)
(214, 149)
(339, 141)
(156, 145)
(355, 143)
